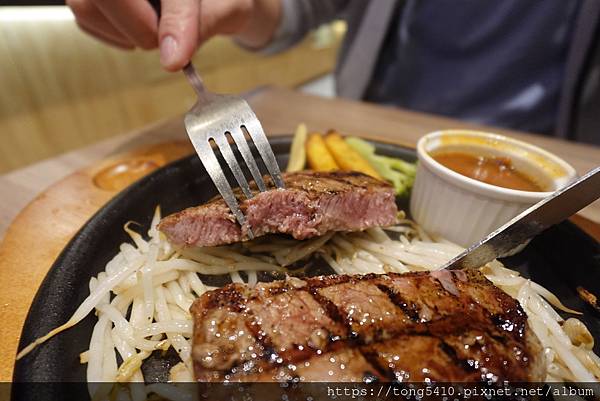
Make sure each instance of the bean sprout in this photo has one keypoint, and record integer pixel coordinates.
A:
(142, 299)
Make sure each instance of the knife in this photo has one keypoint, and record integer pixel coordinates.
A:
(549, 211)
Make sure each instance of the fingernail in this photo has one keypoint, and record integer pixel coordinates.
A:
(168, 50)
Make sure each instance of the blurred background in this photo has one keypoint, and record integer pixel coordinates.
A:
(62, 90)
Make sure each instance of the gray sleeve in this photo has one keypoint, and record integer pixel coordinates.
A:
(298, 18)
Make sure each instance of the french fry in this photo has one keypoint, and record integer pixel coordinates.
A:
(346, 157)
(298, 150)
(318, 156)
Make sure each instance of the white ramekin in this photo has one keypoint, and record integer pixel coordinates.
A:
(463, 210)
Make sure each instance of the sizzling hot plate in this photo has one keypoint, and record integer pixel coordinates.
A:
(560, 259)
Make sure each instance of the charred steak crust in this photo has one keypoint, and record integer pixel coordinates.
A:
(312, 204)
(451, 326)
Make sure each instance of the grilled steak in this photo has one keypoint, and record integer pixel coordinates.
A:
(444, 326)
(312, 204)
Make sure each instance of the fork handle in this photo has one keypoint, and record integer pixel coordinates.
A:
(196, 82)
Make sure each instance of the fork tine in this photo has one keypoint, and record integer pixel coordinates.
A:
(214, 170)
(257, 134)
(227, 153)
(240, 140)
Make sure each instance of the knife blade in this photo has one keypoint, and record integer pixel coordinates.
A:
(549, 211)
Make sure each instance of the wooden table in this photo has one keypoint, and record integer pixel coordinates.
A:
(48, 219)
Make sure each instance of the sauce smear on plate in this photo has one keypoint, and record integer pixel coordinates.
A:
(497, 171)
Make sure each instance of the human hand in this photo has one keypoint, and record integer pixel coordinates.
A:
(183, 26)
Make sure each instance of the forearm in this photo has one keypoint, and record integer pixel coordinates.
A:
(260, 28)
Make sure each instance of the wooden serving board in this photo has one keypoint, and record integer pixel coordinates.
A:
(42, 229)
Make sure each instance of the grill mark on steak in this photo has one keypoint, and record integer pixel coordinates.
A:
(344, 365)
(368, 311)
(290, 321)
(262, 338)
(409, 309)
(508, 317)
(312, 204)
(458, 321)
(476, 296)
(373, 358)
(451, 352)
(419, 357)
(333, 313)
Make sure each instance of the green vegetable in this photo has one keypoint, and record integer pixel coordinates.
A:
(399, 172)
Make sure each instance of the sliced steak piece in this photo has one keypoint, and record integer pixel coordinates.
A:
(450, 326)
(448, 298)
(366, 309)
(312, 204)
(291, 323)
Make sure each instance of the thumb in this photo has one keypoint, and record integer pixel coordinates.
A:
(178, 32)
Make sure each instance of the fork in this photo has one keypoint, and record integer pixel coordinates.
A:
(210, 120)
